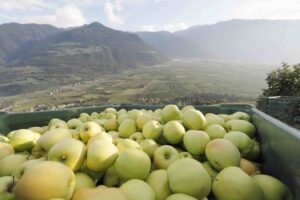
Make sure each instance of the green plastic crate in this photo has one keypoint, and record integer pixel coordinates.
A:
(280, 143)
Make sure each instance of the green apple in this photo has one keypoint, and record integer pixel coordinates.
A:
(21, 169)
(272, 188)
(180, 196)
(142, 119)
(194, 120)
(255, 151)
(188, 176)
(133, 114)
(9, 163)
(133, 164)
(225, 117)
(137, 189)
(164, 156)
(102, 193)
(111, 124)
(222, 153)
(241, 141)
(149, 146)
(169, 113)
(138, 136)
(74, 123)
(7, 187)
(232, 183)
(111, 178)
(195, 142)
(248, 167)
(101, 155)
(241, 115)
(215, 131)
(158, 180)
(185, 154)
(152, 130)
(127, 128)
(46, 180)
(214, 119)
(173, 132)
(242, 126)
(210, 170)
(6, 150)
(70, 152)
(100, 136)
(83, 180)
(89, 129)
(4, 139)
(84, 117)
(128, 144)
(23, 139)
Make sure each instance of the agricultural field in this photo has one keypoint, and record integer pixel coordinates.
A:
(153, 84)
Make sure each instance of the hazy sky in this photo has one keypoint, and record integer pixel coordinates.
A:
(147, 15)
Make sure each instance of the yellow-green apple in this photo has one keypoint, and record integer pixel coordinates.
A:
(255, 151)
(100, 122)
(242, 126)
(272, 188)
(188, 176)
(248, 166)
(185, 154)
(241, 115)
(214, 119)
(108, 116)
(180, 196)
(222, 153)
(75, 133)
(136, 189)
(21, 169)
(7, 187)
(122, 111)
(100, 193)
(111, 179)
(95, 115)
(51, 137)
(100, 136)
(133, 114)
(232, 183)
(101, 155)
(169, 113)
(128, 144)
(173, 132)
(55, 121)
(9, 163)
(96, 176)
(46, 180)
(210, 170)
(110, 110)
(241, 141)
(149, 146)
(38, 129)
(158, 180)
(74, 123)
(6, 150)
(23, 139)
(138, 136)
(225, 117)
(133, 164)
(89, 129)
(142, 119)
(157, 115)
(84, 117)
(37, 151)
(215, 131)
(111, 124)
(113, 134)
(152, 130)
(70, 152)
(127, 128)
(188, 107)
(195, 142)
(164, 156)
(4, 139)
(121, 118)
(193, 119)
(58, 125)
(83, 180)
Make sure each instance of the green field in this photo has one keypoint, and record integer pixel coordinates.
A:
(156, 84)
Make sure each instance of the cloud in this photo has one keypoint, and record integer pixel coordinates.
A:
(65, 16)
(23, 4)
(167, 27)
(111, 10)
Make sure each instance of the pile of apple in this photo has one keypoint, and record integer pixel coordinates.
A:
(165, 154)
